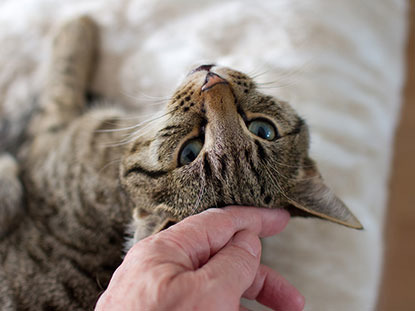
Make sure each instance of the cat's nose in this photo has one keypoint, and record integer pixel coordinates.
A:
(211, 80)
(203, 68)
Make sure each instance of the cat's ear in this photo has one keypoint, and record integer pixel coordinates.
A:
(312, 196)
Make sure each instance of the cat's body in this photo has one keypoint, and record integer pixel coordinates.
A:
(77, 203)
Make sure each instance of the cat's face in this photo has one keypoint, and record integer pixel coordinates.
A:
(222, 142)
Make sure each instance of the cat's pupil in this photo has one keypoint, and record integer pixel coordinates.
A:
(190, 151)
(190, 155)
(263, 128)
(263, 133)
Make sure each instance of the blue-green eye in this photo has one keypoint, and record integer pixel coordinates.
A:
(263, 128)
(190, 151)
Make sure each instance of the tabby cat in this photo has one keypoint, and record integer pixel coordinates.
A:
(65, 212)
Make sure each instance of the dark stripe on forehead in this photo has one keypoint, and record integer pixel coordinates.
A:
(262, 189)
(219, 186)
(136, 169)
(140, 143)
(240, 111)
(167, 134)
(223, 165)
(169, 127)
(248, 154)
(260, 150)
(206, 165)
(252, 166)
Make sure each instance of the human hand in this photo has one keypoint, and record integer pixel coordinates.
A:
(205, 262)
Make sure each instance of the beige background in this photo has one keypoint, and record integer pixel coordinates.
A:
(398, 287)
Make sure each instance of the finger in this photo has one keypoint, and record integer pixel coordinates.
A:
(272, 290)
(234, 267)
(263, 221)
(199, 237)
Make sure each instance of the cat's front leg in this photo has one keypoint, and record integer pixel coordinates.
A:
(71, 66)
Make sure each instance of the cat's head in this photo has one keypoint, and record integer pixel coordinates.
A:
(222, 142)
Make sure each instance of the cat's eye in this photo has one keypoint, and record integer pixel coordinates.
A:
(190, 151)
(263, 129)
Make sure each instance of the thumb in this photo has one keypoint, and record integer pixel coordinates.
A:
(234, 267)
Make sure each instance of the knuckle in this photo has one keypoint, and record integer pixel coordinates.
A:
(244, 265)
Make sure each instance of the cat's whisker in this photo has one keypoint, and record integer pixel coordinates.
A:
(295, 71)
(109, 164)
(274, 179)
(276, 84)
(279, 86)
(279, 174)
(153, 100)
(254, 76)
(285, 77)
(144, 95)
(124, 118)
(141, 131)
(141, 127)
(282, 192)
(267, 83)
(272, 167)
(115, 118)
(138, 125)
(289, 165)
(119, 129)
(123, 142)
(276, 184)
(260, 70)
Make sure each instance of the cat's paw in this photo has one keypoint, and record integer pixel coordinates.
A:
(82, 29)
(74, 50)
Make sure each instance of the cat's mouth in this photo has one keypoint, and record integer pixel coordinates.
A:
(206, 67)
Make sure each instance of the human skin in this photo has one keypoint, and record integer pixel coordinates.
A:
(205, 262)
